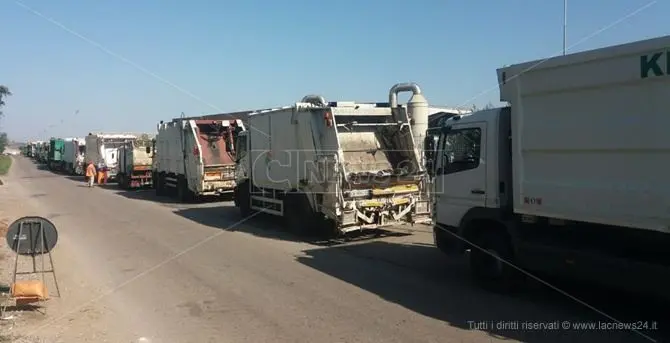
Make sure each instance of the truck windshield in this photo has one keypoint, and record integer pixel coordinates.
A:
(460, 150)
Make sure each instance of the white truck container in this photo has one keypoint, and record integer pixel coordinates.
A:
(196, 157)
(102, 149)
(73, 155)
(571, 178)
(342, 166)
(135, 164)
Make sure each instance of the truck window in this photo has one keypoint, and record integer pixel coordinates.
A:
(461, 149)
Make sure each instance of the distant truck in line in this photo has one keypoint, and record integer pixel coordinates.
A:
(135, 164)
(103, 149)
(55, 154)
(74, 150)
(194, 158)
(570, 179)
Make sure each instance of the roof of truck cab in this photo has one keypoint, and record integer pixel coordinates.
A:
(482, 115)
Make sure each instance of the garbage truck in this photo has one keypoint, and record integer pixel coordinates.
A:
(569, 178)
(196, 157)
(135, 164)
(43, 152)
(55, 156)
(336, 167)
(73, 155)
(102, 150)
(30, 149)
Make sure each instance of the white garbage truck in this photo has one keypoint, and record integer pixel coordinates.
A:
(570, 179)
(336, 167)
(135, 163)
(73, 155)
(196, 157)
(102, 150)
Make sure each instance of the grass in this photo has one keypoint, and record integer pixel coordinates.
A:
(5, 164)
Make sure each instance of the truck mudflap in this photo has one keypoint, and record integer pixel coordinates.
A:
(385, 207)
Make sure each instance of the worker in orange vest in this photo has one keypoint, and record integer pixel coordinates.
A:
(101, 175)
(90, 173)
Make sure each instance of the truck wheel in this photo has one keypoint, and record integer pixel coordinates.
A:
(183, 193)
(299, 216)
(154, 180)
(294, 213)
(486, 262)
(243, 198)
(125, 182)
(160, 186)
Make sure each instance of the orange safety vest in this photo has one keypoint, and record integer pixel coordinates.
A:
(90, 170)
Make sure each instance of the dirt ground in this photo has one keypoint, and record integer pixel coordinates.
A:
(12, 207)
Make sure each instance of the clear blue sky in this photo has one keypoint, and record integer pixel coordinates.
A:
(237, 55)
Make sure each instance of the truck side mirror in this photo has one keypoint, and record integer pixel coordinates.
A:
(429, 152)
(148, 150)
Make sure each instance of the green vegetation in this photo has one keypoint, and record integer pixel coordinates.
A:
(5, 164)
(3, 142)
(4, 93)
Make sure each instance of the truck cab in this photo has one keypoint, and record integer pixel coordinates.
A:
(472, 194)
(469, 173)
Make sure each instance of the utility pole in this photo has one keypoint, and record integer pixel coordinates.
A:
(565, 24)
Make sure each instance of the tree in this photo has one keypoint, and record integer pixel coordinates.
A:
(486, 107)
(4, 93)
(3, 142)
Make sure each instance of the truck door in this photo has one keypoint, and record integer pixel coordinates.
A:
(460, 172)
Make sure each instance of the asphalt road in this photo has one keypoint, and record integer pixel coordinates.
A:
(131, 265)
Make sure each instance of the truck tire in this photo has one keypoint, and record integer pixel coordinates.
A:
(120, 181)
(243, 199)
(487, 270)
(183, 193)
(160, 184)
(299, 216)
(125, 183)
(154, 180)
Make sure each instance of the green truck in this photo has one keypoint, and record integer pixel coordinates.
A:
(55, 159)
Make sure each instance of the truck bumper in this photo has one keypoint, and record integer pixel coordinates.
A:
(218, 187)
(371, 214)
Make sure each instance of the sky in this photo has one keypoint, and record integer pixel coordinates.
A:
(80, 66)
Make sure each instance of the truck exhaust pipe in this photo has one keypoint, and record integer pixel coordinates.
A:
(317, 100)
(417, 110)
(402, 87)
